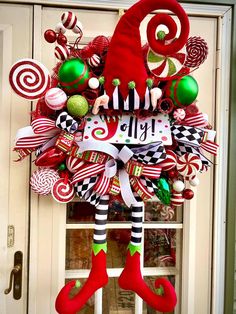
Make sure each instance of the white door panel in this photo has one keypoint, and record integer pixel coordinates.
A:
(15, 43)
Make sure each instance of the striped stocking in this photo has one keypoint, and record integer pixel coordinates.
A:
(131, 276)
(98, 275)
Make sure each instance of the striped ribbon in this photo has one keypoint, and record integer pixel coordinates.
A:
(197, 120)
(112, 179)
(210, 147)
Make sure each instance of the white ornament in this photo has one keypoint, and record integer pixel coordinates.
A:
(194, 182)
(60, 28)
(178, 186)
(78, 28)
(93, 83)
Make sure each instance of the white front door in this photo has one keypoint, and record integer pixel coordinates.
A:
(60, 236)
(15, 43)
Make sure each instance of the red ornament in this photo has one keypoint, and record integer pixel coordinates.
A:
(51, 157)
(50, 36)
(61, 39)
(172, 174)
(188, 194)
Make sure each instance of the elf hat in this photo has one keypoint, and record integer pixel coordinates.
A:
(125, 74)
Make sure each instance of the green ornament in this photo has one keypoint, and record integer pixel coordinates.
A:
(62, 167)
(77, 106)
(183, 91)
(73, 76)
(101, 80)
(163, 191)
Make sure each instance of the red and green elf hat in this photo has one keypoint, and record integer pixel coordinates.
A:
(125, 62)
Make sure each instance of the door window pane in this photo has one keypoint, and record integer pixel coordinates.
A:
(155, 211)
(159, 247)
(117, 300)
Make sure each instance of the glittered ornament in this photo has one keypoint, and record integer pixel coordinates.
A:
(163, 191)
(194, 181)
(42, 180)
(182, 91)
(77, 106)
(73, 75)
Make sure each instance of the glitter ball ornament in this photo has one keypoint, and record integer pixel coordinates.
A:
(42, 180)
(62, 191)
(73, 75)
(77, 106)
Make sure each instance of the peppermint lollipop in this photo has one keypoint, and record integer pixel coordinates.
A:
(197, 51)
(62, 191)
(42, 180)
(170, 161)
(167, 213)
(188, 165)
(29, 79)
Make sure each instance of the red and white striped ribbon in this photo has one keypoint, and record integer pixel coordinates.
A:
(196, 120)
(87, 171)
(210, 147)
(42, 125)
(103, 185)
(152, 172)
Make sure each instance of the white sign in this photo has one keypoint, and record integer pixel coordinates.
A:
(128, 129)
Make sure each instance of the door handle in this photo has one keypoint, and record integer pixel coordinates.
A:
(16, 276)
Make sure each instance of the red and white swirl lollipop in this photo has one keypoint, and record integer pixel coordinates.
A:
(170, 161)
(63, 191)
(167, 213)
(73, 163)
(42, 180)
(29, 79)
(197, 51)
(188, 165)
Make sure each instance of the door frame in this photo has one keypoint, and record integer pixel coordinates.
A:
(225, 118)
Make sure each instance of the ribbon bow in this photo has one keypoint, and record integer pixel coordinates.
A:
(195, 140)
(42, 131)
(123, 171)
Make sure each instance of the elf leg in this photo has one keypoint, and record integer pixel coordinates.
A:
(131, 277)
(98, 275)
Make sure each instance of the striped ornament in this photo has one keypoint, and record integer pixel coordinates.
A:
(170, 161)
(73, 164)
(197, 51)
(188, 165)
(165, 66)
(61, 52)
(176, 199)
(94, 61)
(68, 20)
(55, 98)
